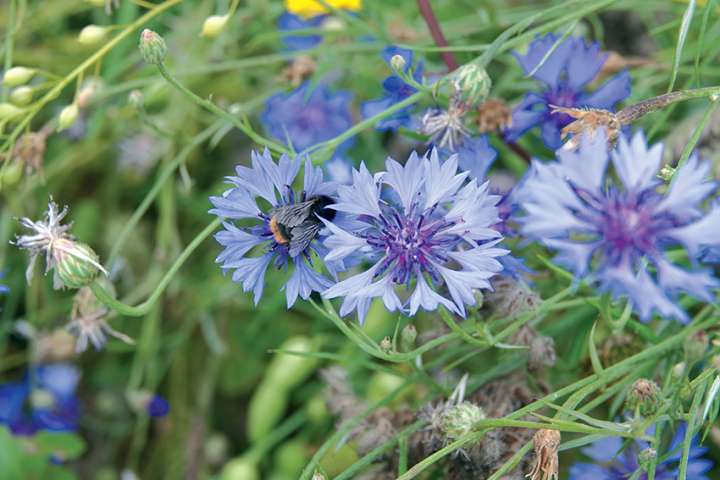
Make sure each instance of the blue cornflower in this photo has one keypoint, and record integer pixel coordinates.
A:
(475, 156)
(308, 116)
(618, 234)
(43, 400)
(271, 182)
(287, 22)
(423, 227)
(565, 74)
(395, 90)
(613, 464)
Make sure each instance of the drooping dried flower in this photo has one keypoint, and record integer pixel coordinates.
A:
(588, 121)
(546, 466)
(88, 323)
(494, 115)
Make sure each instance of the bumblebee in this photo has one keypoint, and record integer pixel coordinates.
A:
(296, 225)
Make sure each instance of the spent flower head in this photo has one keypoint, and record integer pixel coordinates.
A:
(565, 75)
(88, 323)
(75, 264)
(616, 233)
(423, 228)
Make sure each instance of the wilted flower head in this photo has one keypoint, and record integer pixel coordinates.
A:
(88, 322)
(44, 400)
(424, 228)
(75, 264)
(617, 234)
(308, 115)
(446, 127)
(612, 461)
(565, 74)
(280, 244)
(395, 90)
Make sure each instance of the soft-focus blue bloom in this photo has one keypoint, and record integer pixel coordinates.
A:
(43, 400)
(270, 182)
(3, 288)
(287, 22)
(617, 232)
(613, 464)
(424, 228)
(565, 74)
(157, 406)
(395, 90)
(308, 116)
(339, 170)
(475, 156)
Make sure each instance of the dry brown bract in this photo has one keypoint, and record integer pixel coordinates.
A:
(588, 121)
(299, 70)
(546, 455)
(494, 116)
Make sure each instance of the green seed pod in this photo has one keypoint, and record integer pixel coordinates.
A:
(214, 25)
(92, 35)
(287, 371)
(317, 410)
(18, 76)
(240, 468)
(152, 47)
(267, 407)
(76, 264)
(11, 174)
(8, 111)
(68, 116)
(22, 95)
(644, 397)
(459, 420)
(290, 458)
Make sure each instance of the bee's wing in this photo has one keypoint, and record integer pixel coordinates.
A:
(293, 215)
(302, 235)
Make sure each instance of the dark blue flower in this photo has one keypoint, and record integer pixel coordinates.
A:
(395, 90)
(613, 464)
(271, 182)
(423, 227)
(43, 400)
(617, 234)
(308, 116)
(565, 74)
(157, 406)
(288, 23)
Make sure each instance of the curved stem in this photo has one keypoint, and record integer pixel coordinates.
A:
(139, 310)
(207, 104)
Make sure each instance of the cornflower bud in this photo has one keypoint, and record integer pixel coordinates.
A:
(68, 116)
(695, 346)
(17, 76)
(92, 34)
(473, 84)
(398, 63)
(214, 25)
(152, 47)
(459, 420)
(386, 345)
(22, 95)
(644, 397)
(666, 173)
(8, 111)
(408, 337)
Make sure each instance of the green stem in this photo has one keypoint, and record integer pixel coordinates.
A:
(208, 105)
(634, 112)
(139, 310)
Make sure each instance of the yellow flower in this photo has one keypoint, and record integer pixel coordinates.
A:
(313, 8)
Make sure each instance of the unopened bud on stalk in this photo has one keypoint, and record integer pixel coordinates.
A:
(646, 457)
(695, 346)
(152, 47)
(386, 345)
(666, 173)
(22, 95)
(87, 92)
(459, 420)
(408, 337)
(473, 84)
(678, 371)
(644, 397)
(76, 264)
(398, 63)
(68, 116)
(8, 111)
(214, 25)
(92, 34)
(17, 76)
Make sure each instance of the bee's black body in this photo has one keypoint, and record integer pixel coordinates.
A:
(297, 225)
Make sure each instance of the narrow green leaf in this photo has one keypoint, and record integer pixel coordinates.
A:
(682, 36)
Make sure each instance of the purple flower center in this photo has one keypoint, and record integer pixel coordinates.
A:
(410, 242)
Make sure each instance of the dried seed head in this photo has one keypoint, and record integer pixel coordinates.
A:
(88, 323)
(644, 397)
(494, 116)
(546, 466)
(511, 298)
(588, 122)
(446, 128)
(542, 353)
(459, 420)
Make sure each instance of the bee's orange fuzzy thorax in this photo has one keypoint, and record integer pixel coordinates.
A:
(277, 232)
